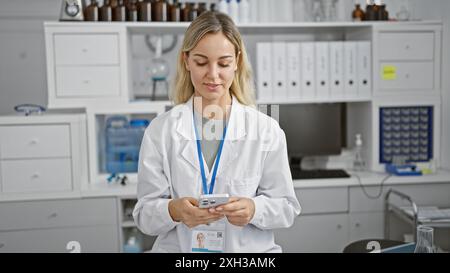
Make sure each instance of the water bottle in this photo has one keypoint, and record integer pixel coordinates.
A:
(133, 245)
(223, 6)
(233, 10)
(244, 11)
(358, 161)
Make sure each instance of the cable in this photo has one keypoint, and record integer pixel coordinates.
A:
(381, 186)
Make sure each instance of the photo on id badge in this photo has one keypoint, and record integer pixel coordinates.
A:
(207, 240)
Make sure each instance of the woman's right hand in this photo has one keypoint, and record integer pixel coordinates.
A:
(186, 210)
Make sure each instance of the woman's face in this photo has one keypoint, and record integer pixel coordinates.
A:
(212, 64)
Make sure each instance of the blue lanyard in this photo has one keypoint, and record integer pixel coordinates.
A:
(200, 160)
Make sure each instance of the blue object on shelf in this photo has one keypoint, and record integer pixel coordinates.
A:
(403, 170)
(123, 142)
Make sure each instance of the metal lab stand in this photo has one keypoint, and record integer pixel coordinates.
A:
(411, 219)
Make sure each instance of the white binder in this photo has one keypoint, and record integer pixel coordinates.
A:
(279, 71)
(264, 71)
(322, 70)
(364, 61)
(350, 73)
(337, 69)
(307, 58)
(293, 70)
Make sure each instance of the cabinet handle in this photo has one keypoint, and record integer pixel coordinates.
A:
(34, 141)
(86, 81)
(407, 47)
(339, 226)
(53, 215)
(407, 76)
(84, 50)
(35, 176)
(357, 225)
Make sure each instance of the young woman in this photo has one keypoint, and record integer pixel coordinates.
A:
(214, 142)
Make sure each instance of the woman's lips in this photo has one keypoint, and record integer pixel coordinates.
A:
(212, 86)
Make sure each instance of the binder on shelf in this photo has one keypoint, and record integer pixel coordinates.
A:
(350, 73)
(264, 70)
(322, 70)
(279, 71)
(293, 70)
(307, 58)
(337, 69)
(364, 61)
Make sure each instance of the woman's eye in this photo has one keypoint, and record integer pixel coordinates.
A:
(224, 65)
(201, 64)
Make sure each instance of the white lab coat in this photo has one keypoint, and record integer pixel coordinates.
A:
(254, 164)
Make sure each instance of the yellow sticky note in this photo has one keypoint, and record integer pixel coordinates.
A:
(389, 72)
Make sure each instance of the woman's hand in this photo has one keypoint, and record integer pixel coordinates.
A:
(186, 210)
(239, 210)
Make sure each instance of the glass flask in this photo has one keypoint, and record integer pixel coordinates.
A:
(159, 70)
(424, 240)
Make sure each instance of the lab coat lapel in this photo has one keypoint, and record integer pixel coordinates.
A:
(236, 130)
(185, 128)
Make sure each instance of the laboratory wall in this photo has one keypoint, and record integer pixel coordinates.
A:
(22, 51)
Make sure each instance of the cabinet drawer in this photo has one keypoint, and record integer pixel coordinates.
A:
(408, 75)
(39, 175)
(87, 81)
(58, 213)
(323, 200)
(86, 49)
(406, 46)
(91, 239)
(31, 141)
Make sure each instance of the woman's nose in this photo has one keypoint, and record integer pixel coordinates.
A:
(213, 71)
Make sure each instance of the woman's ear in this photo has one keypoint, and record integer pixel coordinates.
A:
(185, 58)
(238, 57)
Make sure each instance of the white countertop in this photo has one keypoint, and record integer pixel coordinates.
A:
(129, 190)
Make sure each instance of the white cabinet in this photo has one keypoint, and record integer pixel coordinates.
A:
(48, 226)
(315, 233)
(368, 225)
(86, 65)
(42, 154)
(408, 60)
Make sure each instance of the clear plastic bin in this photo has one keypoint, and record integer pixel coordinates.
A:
(123, 142)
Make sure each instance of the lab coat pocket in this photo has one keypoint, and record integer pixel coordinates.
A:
(244, 187)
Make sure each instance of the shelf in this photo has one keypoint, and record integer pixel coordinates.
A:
(128, 224)
(304, 101)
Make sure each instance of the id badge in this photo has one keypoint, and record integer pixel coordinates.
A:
(209, 238)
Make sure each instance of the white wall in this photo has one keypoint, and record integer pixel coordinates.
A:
(22, 54)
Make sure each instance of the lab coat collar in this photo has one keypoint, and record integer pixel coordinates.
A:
(236, 129)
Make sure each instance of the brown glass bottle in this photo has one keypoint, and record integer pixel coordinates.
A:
(184, 12)
(91, 11)
(119, 13)
(132, 11)
(113, 3)
(213, 7)
(159, 11)
(358, 13)
(383, 13)
(193, 11)
(105, 12)
(201, 8)
(173, 11)
(370, 13)
(145, 11)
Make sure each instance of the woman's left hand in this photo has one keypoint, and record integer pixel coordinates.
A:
(239, 210)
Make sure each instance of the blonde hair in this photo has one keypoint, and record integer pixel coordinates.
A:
(213, 22)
